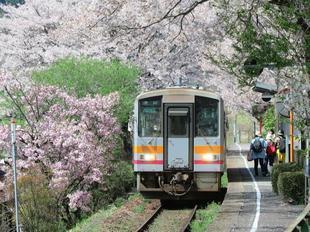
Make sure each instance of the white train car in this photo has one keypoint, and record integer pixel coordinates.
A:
(178, 143)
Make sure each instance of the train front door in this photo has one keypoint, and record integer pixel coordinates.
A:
(178, 136)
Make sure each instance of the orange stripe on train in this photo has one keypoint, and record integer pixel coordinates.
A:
(162, 162)
(148, 149)
(199, 150)
(208, 162)
(208, 149)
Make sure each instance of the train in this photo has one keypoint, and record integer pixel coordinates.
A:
(178, 143)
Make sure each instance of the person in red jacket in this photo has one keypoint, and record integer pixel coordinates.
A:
(271, 149)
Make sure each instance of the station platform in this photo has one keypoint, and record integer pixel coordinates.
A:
(250, 204)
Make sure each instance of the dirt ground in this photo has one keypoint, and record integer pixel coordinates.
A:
(129, 216)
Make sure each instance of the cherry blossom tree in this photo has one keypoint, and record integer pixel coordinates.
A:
(69, 140)
(168, 39)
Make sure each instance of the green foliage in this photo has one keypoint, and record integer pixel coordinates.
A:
(204, 217)
(87, 76)
(224, 180)
(93, 223)
(6, 216)
(1, 13)
(280, 168)
(269, 120)
(121, 180)
(12, 2)
(139, 208)
(291, 186)
(38, 205)
(119, 202)
(262, 34)
(117, 184)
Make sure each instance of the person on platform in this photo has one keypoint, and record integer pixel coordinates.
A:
(271, 149)
(270, 135)
(258, 148)
(281, 146)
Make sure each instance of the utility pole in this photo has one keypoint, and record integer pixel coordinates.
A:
(13, 141)
(291, 137)
(235, 127)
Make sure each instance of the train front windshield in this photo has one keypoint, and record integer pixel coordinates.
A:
(207, 117)
(149, 117)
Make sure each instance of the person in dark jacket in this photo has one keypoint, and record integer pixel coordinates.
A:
(258, 148)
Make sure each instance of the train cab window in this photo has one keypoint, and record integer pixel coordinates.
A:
(207, 117)
(178, 122)
(149, 117)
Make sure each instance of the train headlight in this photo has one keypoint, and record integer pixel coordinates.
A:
(209, 157)
(148, 157)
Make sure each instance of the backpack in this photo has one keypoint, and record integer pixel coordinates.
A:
(257, 146)
(271, 149)
(282, 145)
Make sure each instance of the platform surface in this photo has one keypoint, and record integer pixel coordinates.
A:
(250, 204)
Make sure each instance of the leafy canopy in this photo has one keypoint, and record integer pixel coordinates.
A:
(265, 34)
(86, 76)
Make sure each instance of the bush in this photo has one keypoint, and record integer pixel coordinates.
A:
(117, 184)
(38, 205)
(278, 169)
(291, 185)
(121, 180)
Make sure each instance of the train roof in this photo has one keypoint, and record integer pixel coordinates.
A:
(178, 91)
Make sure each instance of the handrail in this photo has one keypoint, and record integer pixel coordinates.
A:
(301, 219)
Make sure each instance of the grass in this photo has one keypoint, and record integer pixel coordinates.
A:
(204, 217)
(92, 223)
(139, 208)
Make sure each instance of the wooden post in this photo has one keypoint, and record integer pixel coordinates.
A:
(291, 137)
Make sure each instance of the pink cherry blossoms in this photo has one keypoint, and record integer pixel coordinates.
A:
(80, 199)
(69, 139)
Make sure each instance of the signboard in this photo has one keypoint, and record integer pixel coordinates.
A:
(282, 110)
(259, 109)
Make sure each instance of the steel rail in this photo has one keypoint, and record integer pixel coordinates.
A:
(186, 225)
(150, 220)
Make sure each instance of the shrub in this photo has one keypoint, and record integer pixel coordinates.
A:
(117, 184)
(278, 169)
(291, 186)
(38, 205)
(121, 180)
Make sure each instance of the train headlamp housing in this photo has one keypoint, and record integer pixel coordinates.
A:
(209, 157)
(148, 157)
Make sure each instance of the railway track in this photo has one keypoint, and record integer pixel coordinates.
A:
(186, 219)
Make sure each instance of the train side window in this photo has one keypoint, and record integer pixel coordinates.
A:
(207, 117)
(149, 117)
